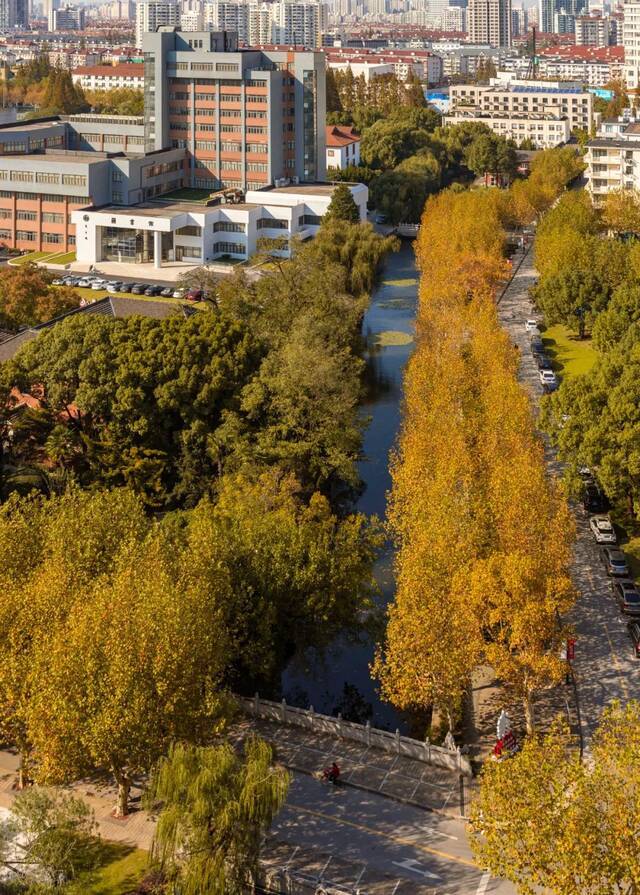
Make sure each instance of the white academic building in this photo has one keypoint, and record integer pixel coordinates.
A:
(195, 233)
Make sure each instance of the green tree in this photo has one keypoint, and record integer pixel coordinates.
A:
(573, 297)
(342, 206)
(491, 155)
(216, 808)
(358, 249)
(49, 833)
(118, 101)
(401, 194)
(612, 324)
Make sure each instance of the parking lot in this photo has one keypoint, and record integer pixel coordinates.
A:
(605, 665)
(102, 286)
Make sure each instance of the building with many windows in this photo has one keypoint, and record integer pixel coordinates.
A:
(246, 118)
(489, 22)
(153, 14)
(631, 41)
(525, 99)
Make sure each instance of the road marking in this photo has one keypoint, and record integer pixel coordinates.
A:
(400, 840)
(616, 662)
(410, 864)
(484, 882)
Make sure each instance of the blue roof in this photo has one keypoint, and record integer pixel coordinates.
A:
(517, 88)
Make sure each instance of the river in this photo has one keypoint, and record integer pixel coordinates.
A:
(388, 326)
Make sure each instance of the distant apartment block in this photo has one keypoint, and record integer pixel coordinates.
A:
(110, 77)
(489, 22)
(423, 64)
(246, 118)
(67, 18)
(343, 146)
(153, 14)
(593, 66)
(595, 31)
(523, 99)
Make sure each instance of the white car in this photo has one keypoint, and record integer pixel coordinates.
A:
(112, 287)
(179, 293)
(602, 529)
(98, 284)
(548, 377)
(531, 325)
(85, 283)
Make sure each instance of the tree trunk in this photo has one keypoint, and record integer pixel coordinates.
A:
(528, 713)
(121, 808)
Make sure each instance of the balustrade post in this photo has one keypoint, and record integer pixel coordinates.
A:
(256, 704)
(283, 711)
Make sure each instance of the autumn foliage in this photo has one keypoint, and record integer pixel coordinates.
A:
(483, 535)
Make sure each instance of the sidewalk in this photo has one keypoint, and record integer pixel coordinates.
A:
(403, 779)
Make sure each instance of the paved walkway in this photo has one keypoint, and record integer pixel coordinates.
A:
(394, 776)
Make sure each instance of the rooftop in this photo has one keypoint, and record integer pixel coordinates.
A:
(607, 143)
(339, 135)
(303, 189)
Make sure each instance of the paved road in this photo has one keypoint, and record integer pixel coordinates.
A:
(381, 840)
(605, 666)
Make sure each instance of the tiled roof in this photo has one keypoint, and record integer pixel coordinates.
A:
(341, 135)
(123, 70)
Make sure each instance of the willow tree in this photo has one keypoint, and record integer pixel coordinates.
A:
(216, 807)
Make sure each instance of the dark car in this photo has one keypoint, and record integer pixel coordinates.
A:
(167, 292)
(195, 295)
(593, 499)
(543, 362)
(138, 288)
(153, 290)
(537, 346)
(627, 596)
(634, 633)
(614, 561)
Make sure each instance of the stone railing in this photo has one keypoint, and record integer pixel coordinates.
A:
(394, 743)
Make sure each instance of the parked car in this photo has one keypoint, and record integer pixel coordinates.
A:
(98, 285)
(543, 362)
(153, 290)
(531, 325)
(138, 288)
(122, 287)
(614, 561)
(548, 377)
(57, 282)
(380, 218)
(627, 596)
(167, 292)
(602, 529)
(195, 295)
(113, 286)
(537, 345)
(178, 293)
(634, 633)
(84, 283)
(593, 499)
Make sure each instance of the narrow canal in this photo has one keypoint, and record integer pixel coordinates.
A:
(340, 680)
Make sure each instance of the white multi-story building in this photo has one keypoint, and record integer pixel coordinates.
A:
(192, 15)
(530, 99)
(151, 14)
(343, 147)
(299, 23)
(593, 31)
(489, 22)
(110, 77)
(224, 15)
(545, 131)
(631, 41)
(67, 18)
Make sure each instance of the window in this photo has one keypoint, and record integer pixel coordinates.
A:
(231, 147)
(23, 176)
(189, 251)
(45, 177)
(228, 227)
(230, 128)
(229, 97)
(206, 66)
(227, 113)
(226, 66)
(116, 175)
(257, 147)
(6, 213)
(205, 144)
(309, 220)
(256, 98)
(206, 127)
(26, 216)
(116, 196)
(27, 235)
(189, 230)
(230, 248)
(52, 217)
(255, 166)
(254, 129)
(272, 224)
(254, 114)
(53, 238)
(5, 234)
(74, 179)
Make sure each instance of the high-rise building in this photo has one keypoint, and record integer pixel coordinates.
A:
(299, 23)
(68, 18)
(191, 15)
(546, 10)
(226, 15)
(247, 118)
(631, 41)
(260, 23)
(152, 14)
(489, 22)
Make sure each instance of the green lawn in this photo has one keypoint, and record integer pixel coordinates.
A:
(32, 256)
(64, 258)
(570, 355)
(187, 195)
(120, 871)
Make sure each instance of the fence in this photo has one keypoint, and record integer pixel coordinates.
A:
(280, 712)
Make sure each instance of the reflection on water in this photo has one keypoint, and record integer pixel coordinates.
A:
(339, 680)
